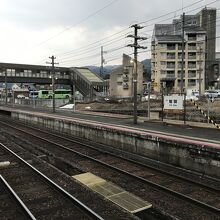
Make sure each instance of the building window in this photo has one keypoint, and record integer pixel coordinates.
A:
(163, 45)
(191, 37)
(171, 46)
(192, 46)
(191, 73)
(191, 82)
(171, 65)
(179, 82)
(192, 55)
(180, 65)
(180, 56)
(191, 64)
(163, 55)
(170, 55)
(179, 46)
(180, 73)
(162, 63)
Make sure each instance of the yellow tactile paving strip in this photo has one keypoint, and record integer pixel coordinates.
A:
(113, 193)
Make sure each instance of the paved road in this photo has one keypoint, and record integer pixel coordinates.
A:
(206, 134)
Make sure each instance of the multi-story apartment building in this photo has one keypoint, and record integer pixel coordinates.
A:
(121, 79)
(166, 60)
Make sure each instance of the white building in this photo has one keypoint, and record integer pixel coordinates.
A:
(167, 61)
(121, 79)
(199, 49)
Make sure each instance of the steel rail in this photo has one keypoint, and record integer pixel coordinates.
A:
(163, 188)
(88, 211)
(120, 157)
(25, 209)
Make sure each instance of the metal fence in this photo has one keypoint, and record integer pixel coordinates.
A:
(201, 109)
(34, 103)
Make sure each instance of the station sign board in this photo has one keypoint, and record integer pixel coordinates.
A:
(174, 103)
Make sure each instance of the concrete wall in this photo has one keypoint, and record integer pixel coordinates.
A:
(200, 158)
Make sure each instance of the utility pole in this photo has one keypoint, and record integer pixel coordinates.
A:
(182, 64)
(53, 79)
(200, 70)
(136, 46)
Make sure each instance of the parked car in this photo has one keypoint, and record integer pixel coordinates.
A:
(20, 96)
(33, 94)
(212, 93)
(152, 96)
(194, 95)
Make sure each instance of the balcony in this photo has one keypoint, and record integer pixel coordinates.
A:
(191, 84)
(191, 47)
(191, 75)
(191, 66)
(125, 78)
(125, 86)
(192, 57)
(168, 77)
(179, 84)
(126, 71)
(180, 56)
(179, 75)
(171, 57)
(180, 65)
(171, 47)
(170, 67)
(192, 38)
(180, 47)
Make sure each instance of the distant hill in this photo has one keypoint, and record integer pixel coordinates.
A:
(147, 64)
(107, 69)
(147, 69)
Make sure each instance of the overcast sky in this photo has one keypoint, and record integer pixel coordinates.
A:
(74, 30)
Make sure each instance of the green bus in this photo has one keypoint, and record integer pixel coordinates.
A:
(59, 94)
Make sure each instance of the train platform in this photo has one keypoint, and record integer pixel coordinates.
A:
(191, 130)
(193, 148)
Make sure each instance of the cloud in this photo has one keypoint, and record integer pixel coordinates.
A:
(27, 24)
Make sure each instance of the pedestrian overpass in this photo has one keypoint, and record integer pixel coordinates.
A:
(89, 84)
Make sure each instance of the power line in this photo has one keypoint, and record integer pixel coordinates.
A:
(88, 50)
(109, 51)
(112, 41)
(84, 19)
(100, 40)
(75, 51)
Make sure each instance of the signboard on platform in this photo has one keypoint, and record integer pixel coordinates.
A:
(173, 103)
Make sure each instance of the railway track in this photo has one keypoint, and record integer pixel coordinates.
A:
(43, 197)
(195, 195)
(11, 202)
